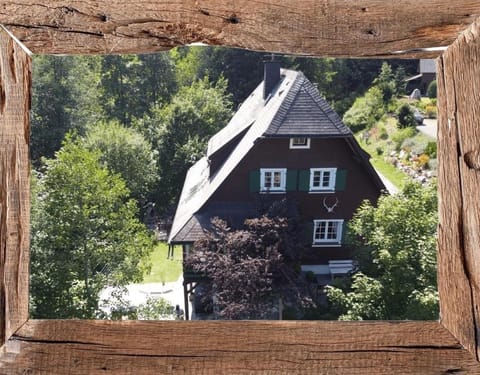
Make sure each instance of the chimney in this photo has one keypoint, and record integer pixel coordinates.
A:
(271, 76)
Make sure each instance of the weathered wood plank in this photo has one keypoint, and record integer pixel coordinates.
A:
(90, 347)
(368, 28)
(14, 185)
(459, 188)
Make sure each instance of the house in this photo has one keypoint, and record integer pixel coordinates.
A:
(285, 141)
(427, 72)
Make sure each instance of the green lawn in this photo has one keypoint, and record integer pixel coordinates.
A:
(394, 175)
(164, 270)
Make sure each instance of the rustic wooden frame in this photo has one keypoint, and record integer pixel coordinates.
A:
(372, 28)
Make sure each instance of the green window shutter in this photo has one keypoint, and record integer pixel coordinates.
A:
(304, 180)
(344, 232)
(254, 181)
(340, 179)
(291, 180)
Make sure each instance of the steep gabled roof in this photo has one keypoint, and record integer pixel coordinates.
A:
(305, 113)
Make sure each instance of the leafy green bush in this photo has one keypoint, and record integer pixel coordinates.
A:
(416, 145)
(383, 134)
(431, 150)
(431, 111)
(397, 275)
(365, 111)
(393, 105)
(432, 89)
(405, 117)
(155, 308)
(399, 137)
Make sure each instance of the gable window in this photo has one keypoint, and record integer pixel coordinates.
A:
(327, 232)
(300, 142)
(322, 179)
(273, 179)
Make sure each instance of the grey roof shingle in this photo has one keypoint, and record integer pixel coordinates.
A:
(305, 113)
(242, 120)
(233, 212)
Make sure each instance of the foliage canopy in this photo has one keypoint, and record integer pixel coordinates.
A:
(397, 259)
(85, 235)
(249, 270)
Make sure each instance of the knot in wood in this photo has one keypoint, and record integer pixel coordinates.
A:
(472, 159)
(233, 19)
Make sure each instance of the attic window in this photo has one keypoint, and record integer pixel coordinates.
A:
(300, 142)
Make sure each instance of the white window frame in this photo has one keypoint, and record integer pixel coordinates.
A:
(304, 146)
(331, 182)
(336, 242)
(283, 180)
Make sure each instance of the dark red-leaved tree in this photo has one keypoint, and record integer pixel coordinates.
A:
(249, 271)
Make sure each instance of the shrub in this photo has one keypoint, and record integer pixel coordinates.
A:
(431, 111)
(432, 89)
(409, 145)
(405, 117)
(382, 133)
(415, 145)
(399, 137)
(423, 160)
(431, 149)
(379, 151)
(155, 309)
(433, 164)
(365, 111)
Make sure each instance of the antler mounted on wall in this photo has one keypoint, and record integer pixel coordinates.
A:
(330, 208)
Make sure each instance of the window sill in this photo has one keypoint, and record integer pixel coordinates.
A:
(335, 244)
(321, 191)
(273, 192)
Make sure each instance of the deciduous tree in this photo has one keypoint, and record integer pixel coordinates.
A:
(397, 259)
(85, 235)
(249, 270)
(125, 151)
(133, 84)
(64, 98)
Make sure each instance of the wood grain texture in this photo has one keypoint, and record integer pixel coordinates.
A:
(366, 28)
(14, 185)
(209, 347)
(459, 188)
(314, 27)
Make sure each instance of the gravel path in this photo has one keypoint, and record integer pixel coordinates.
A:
(429, 127)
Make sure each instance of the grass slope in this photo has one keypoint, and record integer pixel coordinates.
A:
(164, 270)
(394, 175)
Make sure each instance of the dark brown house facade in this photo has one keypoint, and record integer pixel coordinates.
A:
(284, 142)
